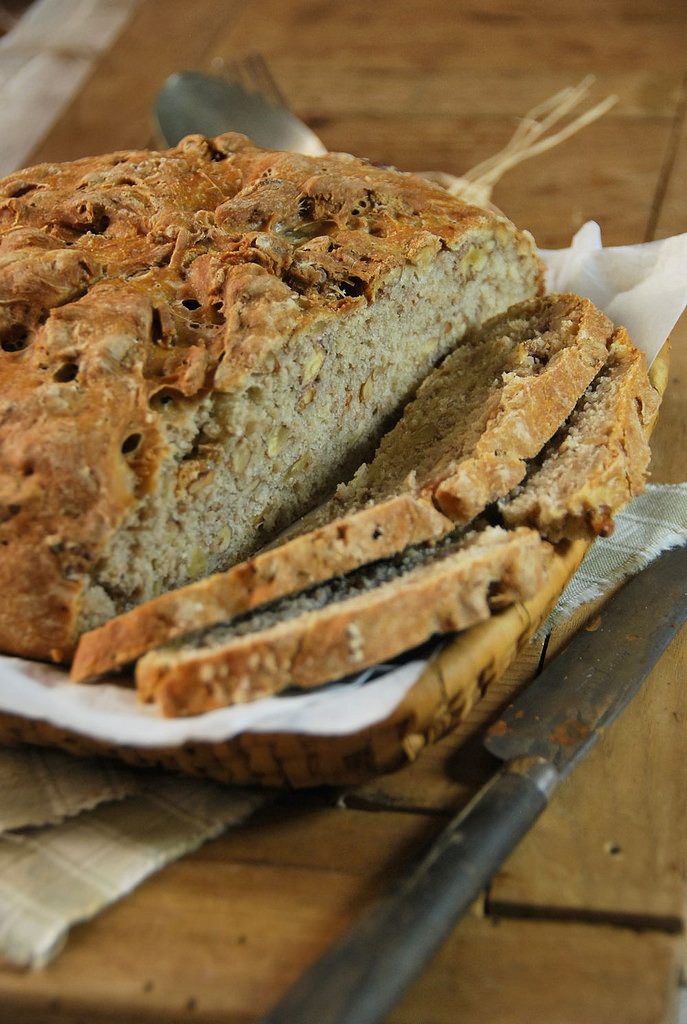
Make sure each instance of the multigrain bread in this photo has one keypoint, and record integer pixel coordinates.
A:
(491, 406)
(461, 443)
(347, 624)
(198, 345)
(599, 460)
(592, 466)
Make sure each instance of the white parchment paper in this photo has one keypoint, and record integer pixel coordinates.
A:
(643, 287)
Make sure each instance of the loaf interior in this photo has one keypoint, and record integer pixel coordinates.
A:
(239, 467)
(484, 406)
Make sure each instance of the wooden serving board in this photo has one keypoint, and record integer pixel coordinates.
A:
(584, 923)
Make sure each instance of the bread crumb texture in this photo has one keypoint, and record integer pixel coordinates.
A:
(462, 442)
(197, 345)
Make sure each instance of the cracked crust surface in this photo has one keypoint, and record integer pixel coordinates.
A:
(138, 283)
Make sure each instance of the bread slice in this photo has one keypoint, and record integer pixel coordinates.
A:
(465, 440)
(346, 624)
(599, 460)
(197, 345)
(460, 444)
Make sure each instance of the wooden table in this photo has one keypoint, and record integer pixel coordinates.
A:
(584, 923)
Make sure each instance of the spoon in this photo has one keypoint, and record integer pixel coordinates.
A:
(191, 102)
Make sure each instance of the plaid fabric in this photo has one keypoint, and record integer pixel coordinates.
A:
(43, 787)
(52, 877)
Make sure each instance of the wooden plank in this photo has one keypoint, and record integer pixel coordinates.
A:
(113, 109)
(613, 843)
(240, 934)
(443, 35)
(453, 91)
(509, 972)
(223, 932)
(309, 833)
(672, 217)
(565, 188)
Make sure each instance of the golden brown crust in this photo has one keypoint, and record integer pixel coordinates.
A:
(96, 260)
(341, 638)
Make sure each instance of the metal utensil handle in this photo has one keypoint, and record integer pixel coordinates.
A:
(362, 976)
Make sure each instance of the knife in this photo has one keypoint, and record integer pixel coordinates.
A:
(539, 738)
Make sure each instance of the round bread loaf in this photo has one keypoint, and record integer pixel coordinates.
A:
(198, 345)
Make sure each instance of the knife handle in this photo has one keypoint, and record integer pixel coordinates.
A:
(361, 976)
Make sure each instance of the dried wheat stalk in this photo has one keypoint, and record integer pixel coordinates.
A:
(530, 138)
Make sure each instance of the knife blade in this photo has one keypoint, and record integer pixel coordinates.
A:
(560, 715)
(540, 738)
